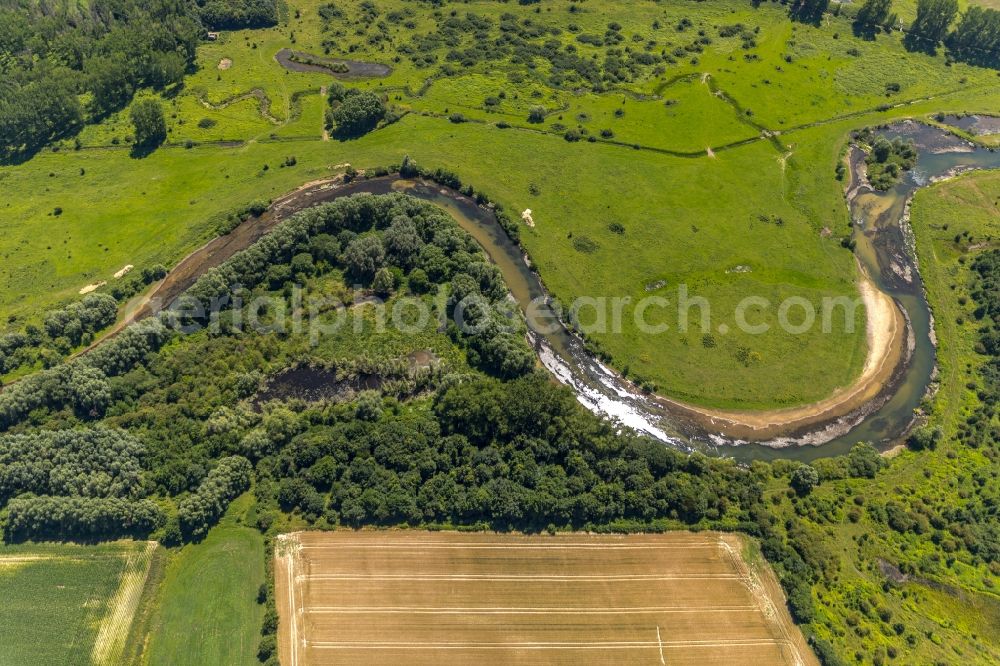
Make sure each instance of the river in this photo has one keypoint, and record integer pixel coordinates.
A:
(884, 248)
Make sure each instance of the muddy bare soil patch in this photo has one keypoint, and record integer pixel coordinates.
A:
(300, 61)
(313, 385)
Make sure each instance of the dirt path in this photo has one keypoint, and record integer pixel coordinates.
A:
(767, 592)
(287, 551)
(263, 102)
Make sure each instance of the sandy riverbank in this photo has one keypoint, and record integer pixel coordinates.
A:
(886, 336)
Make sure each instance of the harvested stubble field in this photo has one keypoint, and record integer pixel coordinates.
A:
(453, 598)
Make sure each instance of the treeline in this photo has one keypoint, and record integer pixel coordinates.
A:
(74, 484)
(975, 39)
(61, 330)
(518, 454)
(106, 49)
(199, 511)
(237, 14)
(81, 518)
(82, 384)
(974, 524)
(66, 328)
(381, 241)
(98, 462)
(82, 318)
(386, 239)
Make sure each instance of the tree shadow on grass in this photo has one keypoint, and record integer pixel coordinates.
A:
(140, 151)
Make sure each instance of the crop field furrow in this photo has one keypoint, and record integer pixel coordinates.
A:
(391, 598)
(114, 628)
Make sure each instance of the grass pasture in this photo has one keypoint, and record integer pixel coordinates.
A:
(206, 611)
(940, 213)
(66, 604)
(454, 598)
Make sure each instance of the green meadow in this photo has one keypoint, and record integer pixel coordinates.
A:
(206, 609)
(683, 160)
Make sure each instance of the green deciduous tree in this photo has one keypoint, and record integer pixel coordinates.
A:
(357, 114)
(364, 256)
(873, 16)
(934, 17)
(804, 479)
(149, 123)
(977, 37)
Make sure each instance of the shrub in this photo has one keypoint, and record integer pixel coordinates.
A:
(804, 479)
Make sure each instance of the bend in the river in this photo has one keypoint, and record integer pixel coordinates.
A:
(877, 407)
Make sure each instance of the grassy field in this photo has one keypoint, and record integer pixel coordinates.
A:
(694, 220)
(207, 612)
(447, 597)
(66, 604)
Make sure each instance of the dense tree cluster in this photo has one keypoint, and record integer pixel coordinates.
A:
(976, 38)
(79, 483)
(356, 113)
(979, 429)
(230, 478)
(512, 454)
(61, 330)
(368, 233)
(82, 318)
(809, 11)
(98, 462)
(107, 48)
(83, 518)
(930, 27)
(236, 14)
(83, 383)
(873, 16)
(887, 159)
